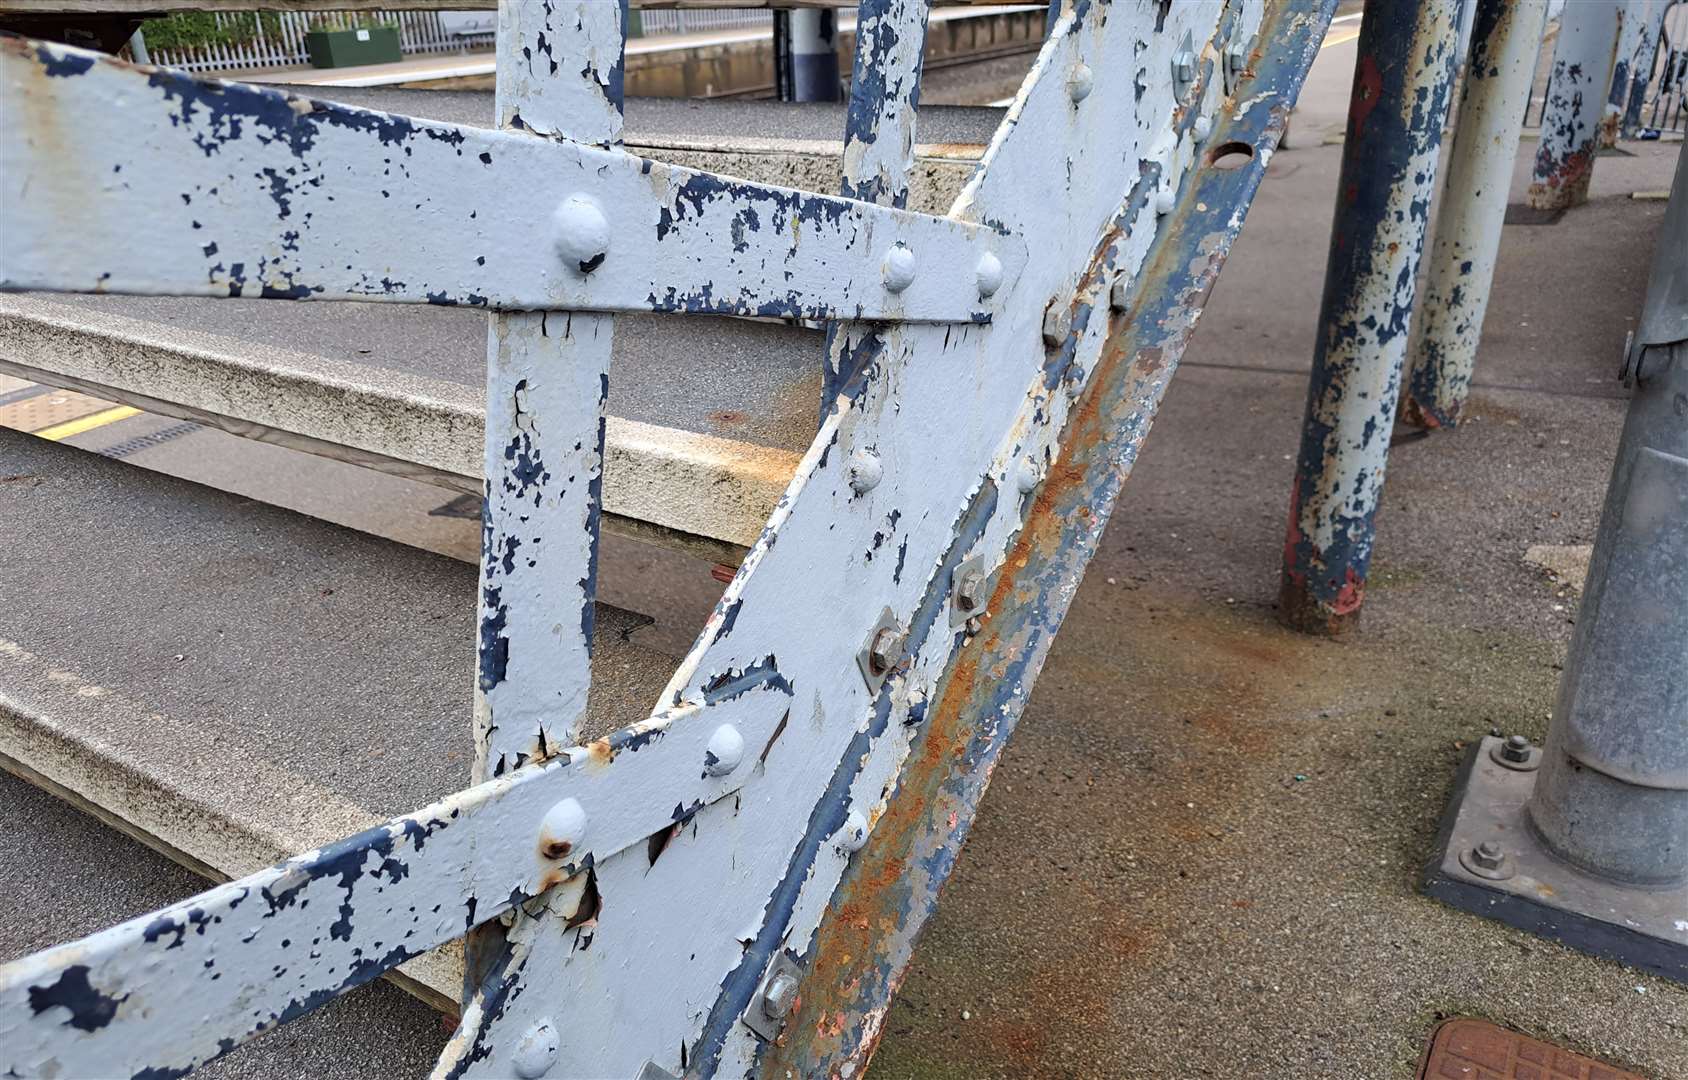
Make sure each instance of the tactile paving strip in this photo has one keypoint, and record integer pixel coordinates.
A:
(1466, 1049)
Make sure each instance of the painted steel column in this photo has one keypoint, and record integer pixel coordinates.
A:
(806, 54)
(1505, 43)
(138, 47)
(1633, 18)
(1612, 793)
(1402, 84)
(1641, 71)
(1577, 87)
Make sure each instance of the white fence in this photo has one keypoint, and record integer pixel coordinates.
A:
(277, 39)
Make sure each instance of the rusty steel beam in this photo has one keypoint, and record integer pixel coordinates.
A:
(858, 956)
(1505, 42)
(1402, 84)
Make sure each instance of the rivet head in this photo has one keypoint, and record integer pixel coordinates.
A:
(1082, 81)
(987, 272)
(1057, 323)
(1164, 202)
(724, 752)
(865, 470)
(899, 267)
(562, 830)
(537, 1051)
(780, 996)
(582, 233)
(883, 652)
(853, 836)
(1201, 129)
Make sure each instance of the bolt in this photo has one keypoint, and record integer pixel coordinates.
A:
(1517, 748)
(853, 836)
(1165, 200)
(1488, 855)
(1201, 129)
(779, 996)
(967, 590)
(724, 752)
(899, 267)
(562, 829)
(883, 651)
(975, 624)
(1119, 293)
(1184, 69)
(988, 274)
(537, 1051)
(1081, 82)
(1057, 323)
(864, 471)
(582, 233)
(1236, 61)
(1028, 476)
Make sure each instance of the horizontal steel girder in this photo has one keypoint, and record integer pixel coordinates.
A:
(130, 180)
(335, 918)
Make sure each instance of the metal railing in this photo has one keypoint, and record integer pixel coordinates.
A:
(277, 39)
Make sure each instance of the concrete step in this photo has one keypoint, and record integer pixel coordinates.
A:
(233, 683)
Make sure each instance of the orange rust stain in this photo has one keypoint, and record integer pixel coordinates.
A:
(600, 751)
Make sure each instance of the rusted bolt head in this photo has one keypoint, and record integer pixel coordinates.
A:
(1516, 748)
(899, 267)
(1057, 322)
(864, 471)
(853, 836)
(1080, 82)
(1119, 293)
(969, 589)
(581, 233)
(724, 752)
(1184, 67)
(987, 273)
(562, 830)
(883, 652)
(780, 996)
(1201, 129)
(1488, 855)
(537, 1051)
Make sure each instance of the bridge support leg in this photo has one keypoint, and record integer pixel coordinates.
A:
(1633, 18)
(1641, 71)
(1402, 83)
(1505, 42)
(1577, 89)
(806, 54)
(1586, 839)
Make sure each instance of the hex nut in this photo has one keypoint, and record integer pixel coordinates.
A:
(1487, 860)
(883, 652)
(1201, 129)
(780, 996)
(1119, 293)
(968, 589)
(1517, 753)
(1184, 68)
(1057, 323)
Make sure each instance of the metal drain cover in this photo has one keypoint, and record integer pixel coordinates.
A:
(1467, 1049)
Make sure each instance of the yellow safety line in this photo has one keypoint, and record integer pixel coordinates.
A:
(87, 423)
(1334, 40)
